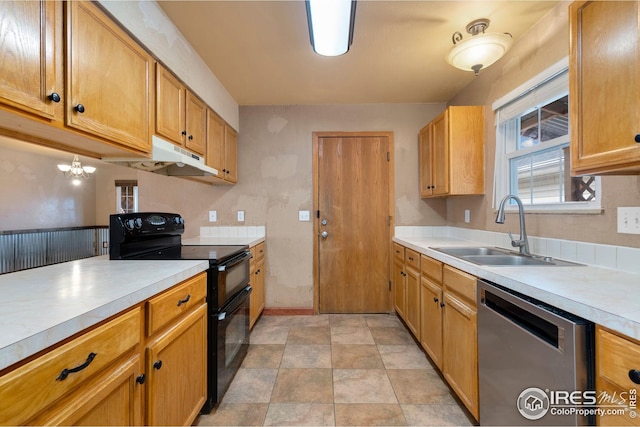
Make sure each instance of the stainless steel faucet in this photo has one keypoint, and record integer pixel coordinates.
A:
(522, 243)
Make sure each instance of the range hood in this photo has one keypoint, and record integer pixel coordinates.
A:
(169, 159)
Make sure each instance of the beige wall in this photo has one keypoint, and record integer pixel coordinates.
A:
(545, 44)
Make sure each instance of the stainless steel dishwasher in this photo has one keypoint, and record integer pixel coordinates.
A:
(535, 362)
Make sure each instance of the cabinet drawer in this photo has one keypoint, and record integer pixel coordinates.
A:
(460, 283)
(31, 388)
(412, 258)
(431, 268)
(176, 301)
(616, 356)
(398, 252)
(259, 251)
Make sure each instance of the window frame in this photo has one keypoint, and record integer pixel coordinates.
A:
(502, 178)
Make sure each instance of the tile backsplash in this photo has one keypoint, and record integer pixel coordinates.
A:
(233, 231)
(617, 257)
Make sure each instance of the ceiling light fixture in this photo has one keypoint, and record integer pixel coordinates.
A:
(480, 50)
(331, 25)
(75, 170)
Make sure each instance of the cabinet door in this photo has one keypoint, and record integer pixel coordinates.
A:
(196, 125)
(257, 300)
(230, 154)
(177, 371)
(425, 147)
(460, 360)
(215, 142)
(27, 48)
(413, 301)
(440, 149)
(108, 79)
(170, 106)
(399, 288)
(116, 399)
(604, 86)
(431, 320)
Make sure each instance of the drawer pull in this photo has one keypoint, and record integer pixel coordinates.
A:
(410, 258)
(65, 372)
(184, 301)
(441, 304)
(634, 375)
(140, 379)
(157, 364)
(435, 299)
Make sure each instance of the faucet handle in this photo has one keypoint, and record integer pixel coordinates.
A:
(515, 243)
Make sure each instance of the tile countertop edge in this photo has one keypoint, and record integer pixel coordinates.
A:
(231, 241)
(626, 322)
(50, 336)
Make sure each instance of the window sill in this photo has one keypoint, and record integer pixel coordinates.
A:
(555, 209)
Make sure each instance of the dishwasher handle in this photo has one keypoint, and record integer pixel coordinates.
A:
(518, 314)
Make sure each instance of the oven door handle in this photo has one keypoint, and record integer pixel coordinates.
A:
(234, 261)
(235, 303)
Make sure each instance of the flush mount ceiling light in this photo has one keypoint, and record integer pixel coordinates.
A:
(480, 50)
(75, 170)
(331, 25)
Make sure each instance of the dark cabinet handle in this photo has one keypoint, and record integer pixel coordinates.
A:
(157, 364)
(55, 97)
(441, 304)
(190, 137)
(410, 258)
(140, 379)
(227, 171)
(637, 138)
(65, 372)
(634, 375)
(435, 299)
(184, 301)
(184, 133)
(79, 108)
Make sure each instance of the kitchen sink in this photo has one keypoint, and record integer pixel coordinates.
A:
(502, 257)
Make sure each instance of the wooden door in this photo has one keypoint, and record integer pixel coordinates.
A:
(399, 288)
(215, 142)
(353, 198)
(177, 372)
(425, 149)
(604, 86)
(440, 183)
(413, 301)
(28, 73)
(230, 154)
(108, 74)
(431, 320)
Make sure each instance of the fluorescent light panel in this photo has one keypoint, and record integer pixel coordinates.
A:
(331, 25)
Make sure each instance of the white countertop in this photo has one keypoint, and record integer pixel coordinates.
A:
(602, 295)
(231, 241)
(42, 306)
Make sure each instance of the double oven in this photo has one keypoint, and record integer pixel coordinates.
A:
(157, 236)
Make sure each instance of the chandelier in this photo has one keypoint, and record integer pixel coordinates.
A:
(480, 50)
(75, 171)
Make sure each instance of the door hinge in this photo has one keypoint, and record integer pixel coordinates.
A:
(389, 285)
(318, 214)
(389, 223)
(388, 156)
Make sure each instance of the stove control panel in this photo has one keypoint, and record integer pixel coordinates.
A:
(134, 232)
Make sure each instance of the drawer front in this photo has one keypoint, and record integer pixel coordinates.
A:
(259, 251)
(431, 268)
(33, 387)
(460, 283)
(616, 356)
(170, 304)
(412, 258)
(252, 261)
(398, 252)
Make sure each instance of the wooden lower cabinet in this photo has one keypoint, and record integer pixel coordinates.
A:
(431, 305)
(176, 365)
(617, 357)
(105, 375)
(412, 286)
(399, 288)
(256, 274)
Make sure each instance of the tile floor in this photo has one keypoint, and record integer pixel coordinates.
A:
(342, 370)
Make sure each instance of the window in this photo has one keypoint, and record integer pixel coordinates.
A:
(126, 196)
(532, 148)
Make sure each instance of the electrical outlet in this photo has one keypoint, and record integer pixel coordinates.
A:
(467, 216)
(629, 220)
(303, 216)
(213, 216)
(240, 216)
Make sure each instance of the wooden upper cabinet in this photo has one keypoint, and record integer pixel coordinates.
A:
(451, 151)
(28, 73)
(108, 79)
(604, 87)
(222, 147)
(181, 117)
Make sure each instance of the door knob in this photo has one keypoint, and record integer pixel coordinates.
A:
(324, 234)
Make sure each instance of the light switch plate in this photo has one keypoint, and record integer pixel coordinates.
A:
(629, 220)
(240, 216)
(303, 216)
(213, 216)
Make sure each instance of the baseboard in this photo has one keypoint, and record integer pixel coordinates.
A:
(287, 312)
